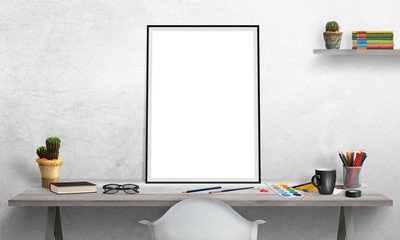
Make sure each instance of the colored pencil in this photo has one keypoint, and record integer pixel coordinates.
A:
(229, 190)
(353, 159)
(344, 161)
(201, 189)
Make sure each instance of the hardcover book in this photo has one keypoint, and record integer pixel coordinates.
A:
(355, 38)
(373, 45)
(379, 48)
(372, 35)
(72, 187)
(373, 41)
(365, 32)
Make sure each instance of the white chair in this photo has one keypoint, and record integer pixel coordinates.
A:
(202, 219)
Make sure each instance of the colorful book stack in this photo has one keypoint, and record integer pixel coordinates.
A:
(372, 39)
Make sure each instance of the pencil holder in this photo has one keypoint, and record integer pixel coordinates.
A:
(351, 177)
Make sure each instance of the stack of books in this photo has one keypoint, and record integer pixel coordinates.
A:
(372, 39)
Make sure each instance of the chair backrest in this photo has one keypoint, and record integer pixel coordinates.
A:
(202, 219)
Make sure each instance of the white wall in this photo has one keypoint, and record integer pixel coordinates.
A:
(76, 69)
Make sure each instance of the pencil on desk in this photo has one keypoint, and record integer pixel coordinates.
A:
(229, 190)
(201, 189)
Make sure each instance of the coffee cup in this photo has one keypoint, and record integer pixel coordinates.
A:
(324, 179)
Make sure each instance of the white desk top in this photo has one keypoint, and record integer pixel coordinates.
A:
(168, 195)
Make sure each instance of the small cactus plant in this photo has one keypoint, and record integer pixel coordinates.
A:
(332, 26)
(53, 147)
(51, 150)
(332, 36)
(41, 152)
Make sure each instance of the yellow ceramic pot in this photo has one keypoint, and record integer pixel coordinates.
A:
(50, 170)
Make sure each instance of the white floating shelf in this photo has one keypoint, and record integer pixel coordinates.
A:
(357, 52)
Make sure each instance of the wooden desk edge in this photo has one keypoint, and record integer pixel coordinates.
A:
(168, 203)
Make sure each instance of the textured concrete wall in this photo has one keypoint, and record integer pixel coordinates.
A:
(76, 69)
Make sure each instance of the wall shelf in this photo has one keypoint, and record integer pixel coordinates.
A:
(356, 52)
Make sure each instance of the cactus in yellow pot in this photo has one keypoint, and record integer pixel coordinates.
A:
(49, 162)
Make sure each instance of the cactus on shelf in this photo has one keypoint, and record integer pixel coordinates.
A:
(53, 147)
(332, 26)
(41, 152)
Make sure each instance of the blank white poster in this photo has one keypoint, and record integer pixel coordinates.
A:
(202, 109)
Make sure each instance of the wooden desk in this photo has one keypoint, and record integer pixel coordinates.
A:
(162, 195)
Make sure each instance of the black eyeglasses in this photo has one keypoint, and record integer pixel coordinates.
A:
(114, 188)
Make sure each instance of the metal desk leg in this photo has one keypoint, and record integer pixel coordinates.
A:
(346, 224)
(53, 226)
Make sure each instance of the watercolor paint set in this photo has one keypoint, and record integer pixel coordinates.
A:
(285, 191)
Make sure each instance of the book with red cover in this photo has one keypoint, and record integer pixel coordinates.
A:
(379, 48)
(72, 187)
(373, 45)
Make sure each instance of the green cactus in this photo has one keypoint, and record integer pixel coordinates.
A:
(53, 147)
(332, 26)
(41, 152)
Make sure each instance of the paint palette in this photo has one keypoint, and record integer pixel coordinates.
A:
(284, 190)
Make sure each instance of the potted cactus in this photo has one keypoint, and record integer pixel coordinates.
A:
(332, 35)
(49, 163)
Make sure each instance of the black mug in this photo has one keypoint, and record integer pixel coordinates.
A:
(324, 179)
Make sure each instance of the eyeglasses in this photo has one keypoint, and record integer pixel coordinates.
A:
(114, 188)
